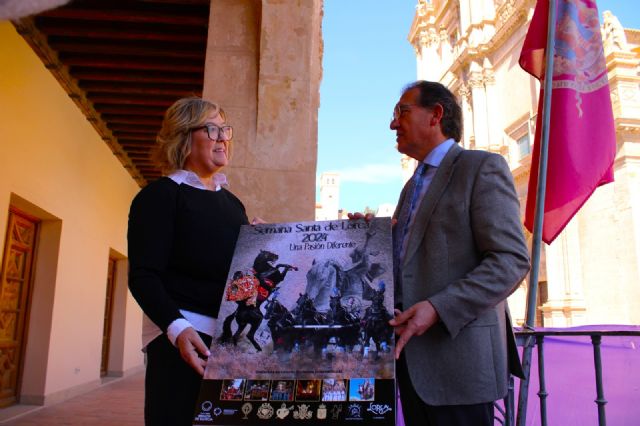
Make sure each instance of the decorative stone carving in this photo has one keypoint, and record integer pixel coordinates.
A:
(444, 35)
(505, 10)
(464, 93)
(429, 37)
(613, 33)
(489, 77)
(476, 81)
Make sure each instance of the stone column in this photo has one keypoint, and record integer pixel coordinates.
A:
(465, 17)
(429, 68)
(468, 139)
(263, 66)
(479, 99)
(494, 125)
(445, 49)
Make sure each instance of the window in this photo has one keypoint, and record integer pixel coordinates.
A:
(524, 146)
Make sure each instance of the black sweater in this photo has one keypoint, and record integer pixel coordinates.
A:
(181, 241)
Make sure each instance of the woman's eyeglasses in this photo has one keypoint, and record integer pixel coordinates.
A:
(217, 133)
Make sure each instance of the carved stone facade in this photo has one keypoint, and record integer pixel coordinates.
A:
(590, 274)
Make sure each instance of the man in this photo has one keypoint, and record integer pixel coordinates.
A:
(459, 252)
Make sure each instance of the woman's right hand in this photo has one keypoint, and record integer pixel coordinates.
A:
(192, 349)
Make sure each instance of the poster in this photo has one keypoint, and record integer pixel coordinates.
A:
(302, 334)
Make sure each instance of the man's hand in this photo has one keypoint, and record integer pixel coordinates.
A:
(358, 215)
(414, 321)
(192, 349)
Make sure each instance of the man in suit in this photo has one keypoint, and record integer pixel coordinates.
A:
(459, 252)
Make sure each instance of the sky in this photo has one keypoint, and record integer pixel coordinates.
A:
(367, 60)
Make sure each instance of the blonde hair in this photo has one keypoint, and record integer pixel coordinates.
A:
(173, 142)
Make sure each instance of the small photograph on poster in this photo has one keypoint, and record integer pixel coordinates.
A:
(362, 389)
(257, 390)
(282, 390)
(232, 390)
(334, 390)
(308, 390)
(307, 300)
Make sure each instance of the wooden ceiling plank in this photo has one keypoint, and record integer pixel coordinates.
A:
(132, 64)
(118, 34)
(126, 127)
(133, 119)
(137, 150)
(93, 75)
(94, 48)
(139, 144)
(106, 99)
(135, 132)
(167, 91)
(129, 110)
(123, 136)
(127, 15)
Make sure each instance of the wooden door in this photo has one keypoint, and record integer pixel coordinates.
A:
(15, 283)
(108, 309)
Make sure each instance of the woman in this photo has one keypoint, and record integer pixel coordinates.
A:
(182, 233)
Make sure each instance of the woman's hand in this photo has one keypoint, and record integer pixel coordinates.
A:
(257, 221)
(192, 349)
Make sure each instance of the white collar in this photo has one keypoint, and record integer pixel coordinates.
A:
(189, 178)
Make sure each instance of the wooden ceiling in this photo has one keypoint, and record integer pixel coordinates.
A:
(124, 63)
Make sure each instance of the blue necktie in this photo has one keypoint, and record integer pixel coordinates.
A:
(404, 214)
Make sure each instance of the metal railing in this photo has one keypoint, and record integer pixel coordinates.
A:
(535, 338)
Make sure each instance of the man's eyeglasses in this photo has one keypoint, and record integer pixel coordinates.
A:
(217, 133)
(399, 109)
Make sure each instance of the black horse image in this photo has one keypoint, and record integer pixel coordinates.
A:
(280, 322)
(344, 324)
(305, 312)
(248, 311)
(376, 319)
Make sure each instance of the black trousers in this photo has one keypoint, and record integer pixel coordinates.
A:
(171, 385)
(417, 413)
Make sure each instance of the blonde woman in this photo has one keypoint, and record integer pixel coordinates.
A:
(182, 232)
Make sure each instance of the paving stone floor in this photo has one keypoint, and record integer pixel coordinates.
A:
(118, 403)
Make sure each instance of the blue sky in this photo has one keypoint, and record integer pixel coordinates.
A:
(367, 60)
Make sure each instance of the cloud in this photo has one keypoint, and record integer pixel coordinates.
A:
(370, 173)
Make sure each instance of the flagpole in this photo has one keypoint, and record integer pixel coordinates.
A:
(538, 219)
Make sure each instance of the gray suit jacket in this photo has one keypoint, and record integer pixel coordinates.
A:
(465, 253)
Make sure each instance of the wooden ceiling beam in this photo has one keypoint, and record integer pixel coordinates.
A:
(142, 159)
(133, 119)
(174, 91)
(94, 47)
(114, 33)
(136, 132)
(138, 151)
(173, 17)
(169, 78)
(180, 3)
(124, 136)
(127, 127)
(131, 63)
(146, 111)
(120, 100)
(137, 145)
